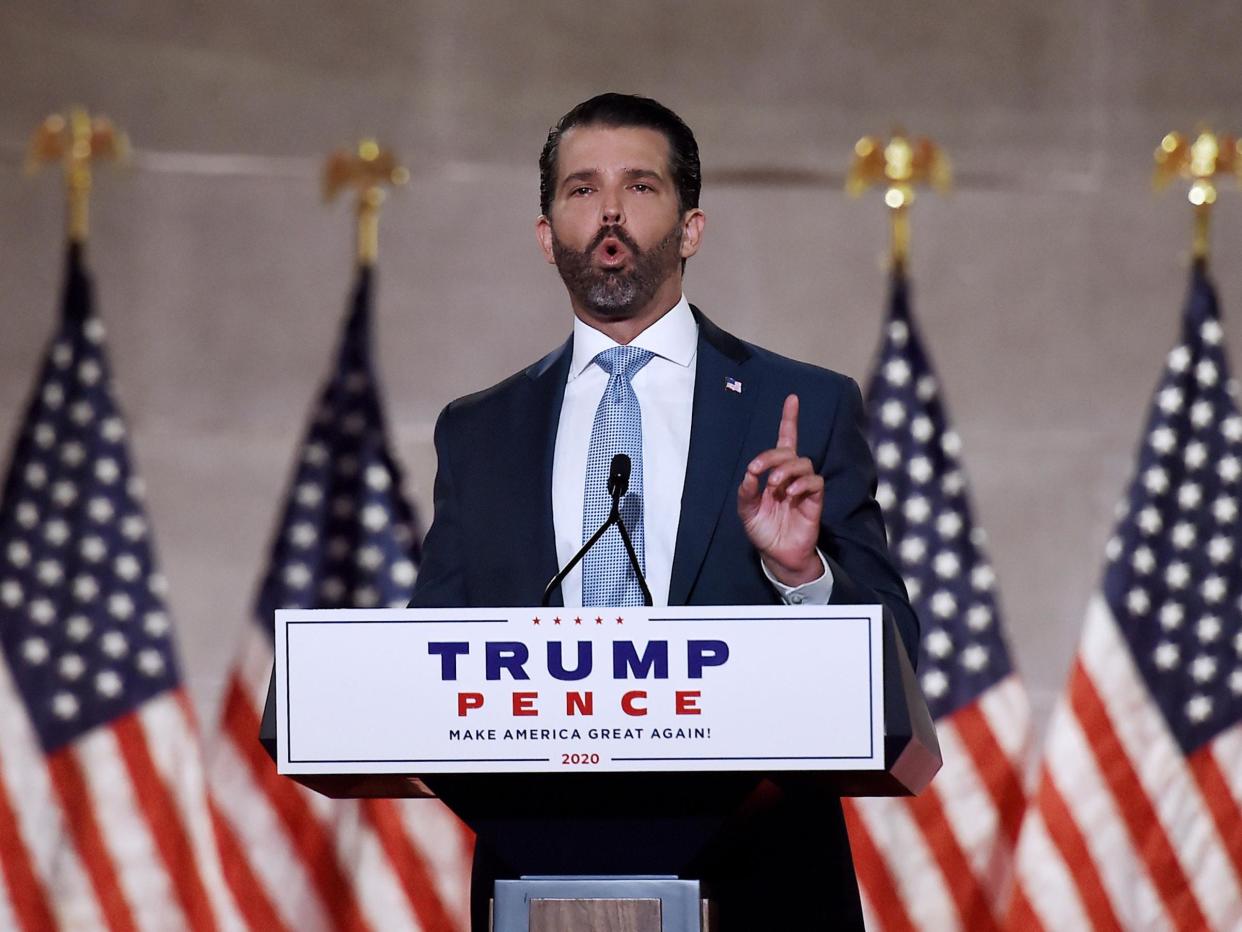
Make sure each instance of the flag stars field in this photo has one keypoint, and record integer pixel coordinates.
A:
(921, 429)
(78, 628)
(85, 588)
(377, 478)
(1143, 561)
(912, 549)
(1201, 414)
(71, 666)
(81, 413)
(893, 413)
(309, 494)
(35, 650)
(303, 535)
(156, 624)
(1171, 615)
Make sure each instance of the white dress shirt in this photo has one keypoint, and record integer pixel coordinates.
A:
(665, 390)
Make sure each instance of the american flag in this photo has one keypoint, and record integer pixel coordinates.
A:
(1136, 822)
(105, 821)
(347, 539)
(942, 860)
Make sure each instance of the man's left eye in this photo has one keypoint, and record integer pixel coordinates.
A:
(642, 188)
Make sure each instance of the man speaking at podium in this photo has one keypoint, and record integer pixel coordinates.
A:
(751, 480)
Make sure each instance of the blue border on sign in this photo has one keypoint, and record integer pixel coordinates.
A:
(539, 760)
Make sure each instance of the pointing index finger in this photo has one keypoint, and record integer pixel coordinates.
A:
(787, 434)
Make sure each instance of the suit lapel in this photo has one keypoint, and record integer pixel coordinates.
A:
(718, 429)
(538, 421)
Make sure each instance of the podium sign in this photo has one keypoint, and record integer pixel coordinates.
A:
(728, 688)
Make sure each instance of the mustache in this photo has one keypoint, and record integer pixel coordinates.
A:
(616, 232)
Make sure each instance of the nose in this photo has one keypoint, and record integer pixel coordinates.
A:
(611, 211)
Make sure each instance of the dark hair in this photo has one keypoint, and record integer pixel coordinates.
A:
(628, 110)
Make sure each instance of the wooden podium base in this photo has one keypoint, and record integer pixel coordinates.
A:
(615, 904)
(613, 915)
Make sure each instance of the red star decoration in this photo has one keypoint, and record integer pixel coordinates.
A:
(599, 621)
(556, 621)
(577, 621)
(619, 621)
(536, 621)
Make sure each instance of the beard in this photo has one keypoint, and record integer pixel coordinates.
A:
(617, 294)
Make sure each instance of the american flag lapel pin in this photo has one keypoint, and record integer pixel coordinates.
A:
(733, 385)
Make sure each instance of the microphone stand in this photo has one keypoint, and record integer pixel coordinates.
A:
(614, 517)
(629, 548)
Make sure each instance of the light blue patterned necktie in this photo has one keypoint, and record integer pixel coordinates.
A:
(607, 577)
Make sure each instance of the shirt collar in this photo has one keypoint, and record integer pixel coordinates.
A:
(674, 337)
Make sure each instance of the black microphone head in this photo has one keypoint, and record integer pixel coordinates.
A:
(619, 475)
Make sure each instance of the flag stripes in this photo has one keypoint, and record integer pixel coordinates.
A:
(156, 804)
(269, 856)
(1044, 838)
(964, 840)
(1152, 838)
(969, 896)
(27, 897)
(447, 847)
(415, 878)
(251, 898)
(308, 838)
(882, 902)
(1219, 799)
(991, 765)
(71, 788)
(924, 896)
(1073, 846)
(400, 876)
(1087, 823)
(1147, 835)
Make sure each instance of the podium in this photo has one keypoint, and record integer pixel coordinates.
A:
(599, 751)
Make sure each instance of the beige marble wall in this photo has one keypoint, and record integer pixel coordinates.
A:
(1048, 285)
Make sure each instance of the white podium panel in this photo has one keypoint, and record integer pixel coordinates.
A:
(723, 688)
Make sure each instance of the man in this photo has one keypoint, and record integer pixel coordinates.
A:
(752, 481)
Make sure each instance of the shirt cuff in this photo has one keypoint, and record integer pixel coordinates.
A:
(816, 592)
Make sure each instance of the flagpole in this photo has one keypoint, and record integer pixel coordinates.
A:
(367, 170)
(77, 140)
(1200, 161)
(901, 165)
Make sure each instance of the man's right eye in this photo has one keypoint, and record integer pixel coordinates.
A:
(580, 191)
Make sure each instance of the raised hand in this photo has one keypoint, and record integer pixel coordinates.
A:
(782, 518)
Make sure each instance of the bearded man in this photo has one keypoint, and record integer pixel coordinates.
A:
(751, 483)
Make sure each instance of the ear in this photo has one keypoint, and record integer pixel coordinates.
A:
(543, 232)
(692, 232)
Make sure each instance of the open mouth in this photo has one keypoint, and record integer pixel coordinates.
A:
(611, 253)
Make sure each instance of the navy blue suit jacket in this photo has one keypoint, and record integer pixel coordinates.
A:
(491, 543)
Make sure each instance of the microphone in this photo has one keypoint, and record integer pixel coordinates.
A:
(618, 485)
(619, 477)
